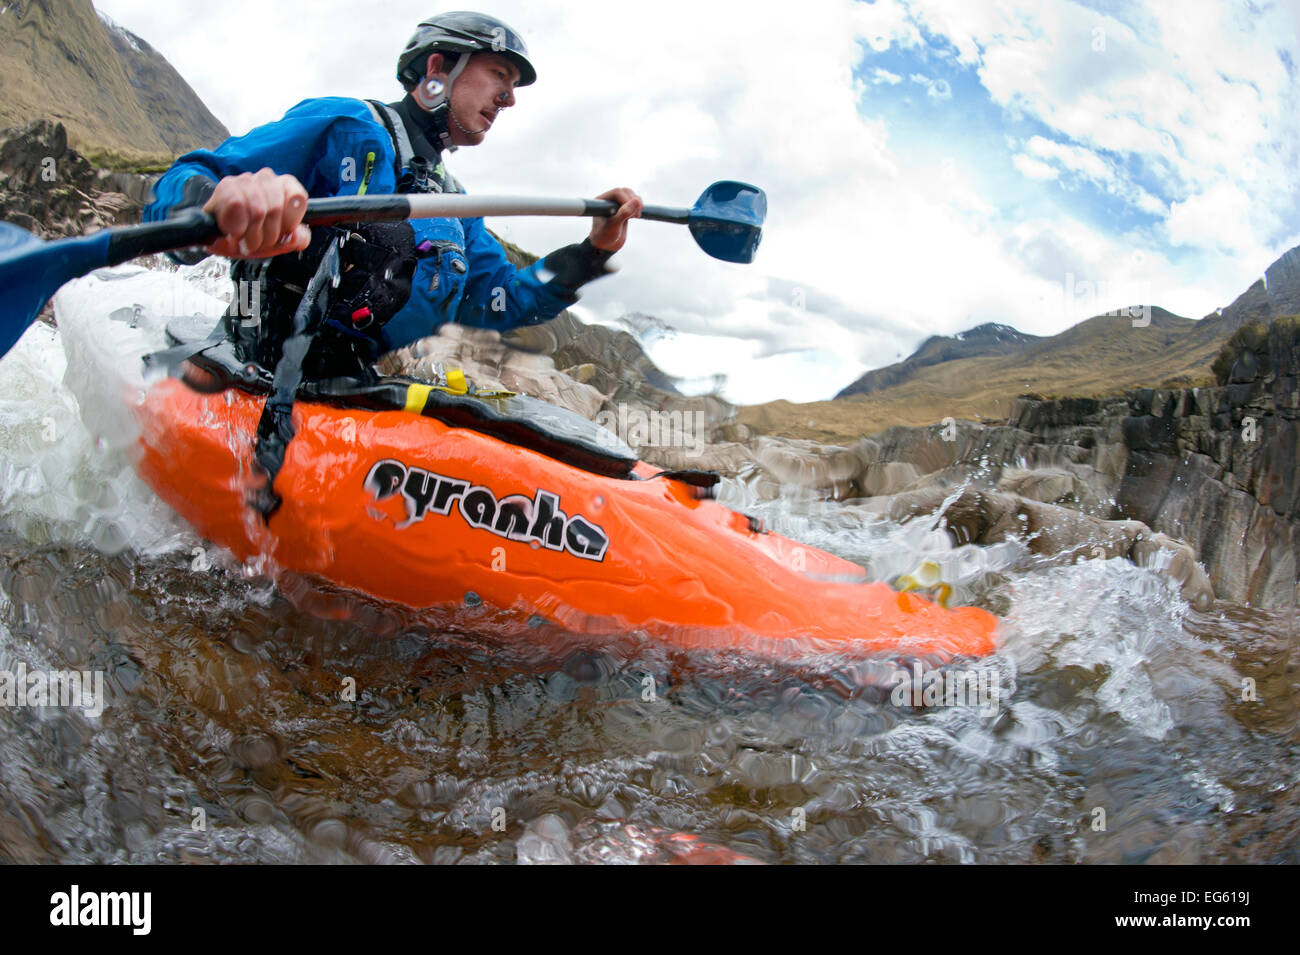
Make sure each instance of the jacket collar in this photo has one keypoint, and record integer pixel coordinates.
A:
(420, 129)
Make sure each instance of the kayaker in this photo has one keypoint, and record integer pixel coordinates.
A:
(400, 280)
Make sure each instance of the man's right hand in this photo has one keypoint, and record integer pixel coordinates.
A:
(260, 215)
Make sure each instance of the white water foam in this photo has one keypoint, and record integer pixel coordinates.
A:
(67, 433)
(67, 429)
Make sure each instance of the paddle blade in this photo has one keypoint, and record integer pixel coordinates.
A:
(31, 271)
(727, 220)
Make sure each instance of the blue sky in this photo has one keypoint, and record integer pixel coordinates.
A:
(934, 105)
(930, 164)
(935, 102)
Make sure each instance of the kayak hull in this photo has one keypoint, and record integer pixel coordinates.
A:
(409, 509)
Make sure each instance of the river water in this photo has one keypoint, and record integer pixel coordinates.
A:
(249, 721)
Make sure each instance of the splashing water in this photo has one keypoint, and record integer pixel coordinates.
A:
(247, 721)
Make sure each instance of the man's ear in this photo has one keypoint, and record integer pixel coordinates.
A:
(434, 64)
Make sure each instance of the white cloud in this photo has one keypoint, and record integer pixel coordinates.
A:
(1101, 172)
(1201, 90)
(899, 247)
(935, 89)
(1217, 217)
(884, 24)
(1074, 158)
(1033, 168)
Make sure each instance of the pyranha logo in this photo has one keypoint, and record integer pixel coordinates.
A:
(514, 517)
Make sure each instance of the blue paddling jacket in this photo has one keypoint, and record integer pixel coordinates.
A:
(337, 146)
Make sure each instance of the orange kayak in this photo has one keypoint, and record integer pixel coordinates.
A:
(433, 504)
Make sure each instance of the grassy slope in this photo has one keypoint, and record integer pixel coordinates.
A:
(1101, 356)
(56, 62)
(175, 111)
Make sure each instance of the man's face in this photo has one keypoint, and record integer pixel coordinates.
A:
(484, 88)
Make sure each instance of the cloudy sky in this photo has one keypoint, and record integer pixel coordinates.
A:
(930, 165)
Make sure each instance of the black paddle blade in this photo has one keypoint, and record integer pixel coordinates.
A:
(727, 220)
(32, 271)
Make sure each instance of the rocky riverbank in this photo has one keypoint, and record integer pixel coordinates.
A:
(1212, 468)
(1199, 482)
(52, 191)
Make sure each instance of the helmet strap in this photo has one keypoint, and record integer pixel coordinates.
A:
(439, 104)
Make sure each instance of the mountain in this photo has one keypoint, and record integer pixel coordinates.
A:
(1277, 293)
(113, 92)
(988, 339)
(108, 99)
(177, 113)
(976, 375)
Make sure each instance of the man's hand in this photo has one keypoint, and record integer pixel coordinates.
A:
(610, 233)
(260, 215)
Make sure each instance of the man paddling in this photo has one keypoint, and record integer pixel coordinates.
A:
(400, 280)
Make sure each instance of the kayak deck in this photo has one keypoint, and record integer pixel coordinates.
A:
(429, 512)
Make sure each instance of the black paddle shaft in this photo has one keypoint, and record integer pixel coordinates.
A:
(726, 222)
(605, 208)
(195, 227)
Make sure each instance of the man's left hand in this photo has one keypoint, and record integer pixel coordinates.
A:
(610, 233)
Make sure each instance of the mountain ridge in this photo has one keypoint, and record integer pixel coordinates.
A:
(989, 338)
(947, 377)
(144, 112)
(181, 118)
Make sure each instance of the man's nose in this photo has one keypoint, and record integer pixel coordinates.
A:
(506, 98)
